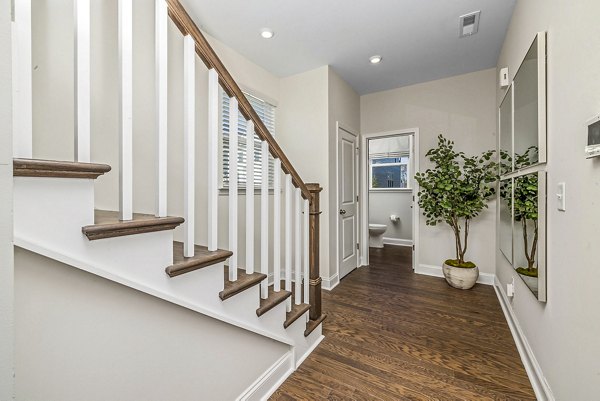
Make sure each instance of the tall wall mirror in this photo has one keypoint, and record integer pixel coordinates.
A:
(522, 152)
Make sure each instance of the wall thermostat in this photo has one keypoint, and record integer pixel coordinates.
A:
(593, 137)
(504, 82)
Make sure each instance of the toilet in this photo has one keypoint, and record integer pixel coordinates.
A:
(376, 232)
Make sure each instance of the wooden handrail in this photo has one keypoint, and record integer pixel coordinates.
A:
(187, 26)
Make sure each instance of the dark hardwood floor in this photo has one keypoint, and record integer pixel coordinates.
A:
(391, 334)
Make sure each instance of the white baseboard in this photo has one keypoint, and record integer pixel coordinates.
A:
(436, 271)
(532, 367)
(270, 380)
(397, 241)
(309, 351)
(331, 282)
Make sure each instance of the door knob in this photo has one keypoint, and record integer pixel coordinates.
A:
(342, 211)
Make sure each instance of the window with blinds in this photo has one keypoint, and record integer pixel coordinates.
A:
(266, 112)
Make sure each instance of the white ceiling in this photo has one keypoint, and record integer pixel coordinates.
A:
(418, 39)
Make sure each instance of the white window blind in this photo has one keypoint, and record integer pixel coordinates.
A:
(266, 112)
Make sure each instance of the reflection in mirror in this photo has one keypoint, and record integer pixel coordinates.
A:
(506, 220)
(525, 89)
(526, 229)
(506, 140)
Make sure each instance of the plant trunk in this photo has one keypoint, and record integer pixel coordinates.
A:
(530, 256)
(531, 262)
(464, 249)
(456, 230)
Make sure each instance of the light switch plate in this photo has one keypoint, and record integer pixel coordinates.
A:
(561, 196)
(504, 81)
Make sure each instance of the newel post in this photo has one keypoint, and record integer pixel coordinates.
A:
(315, 272)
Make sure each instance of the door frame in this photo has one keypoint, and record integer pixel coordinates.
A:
(364, 190)
(339, 126)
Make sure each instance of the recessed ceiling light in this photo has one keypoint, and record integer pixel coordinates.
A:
(375, 59)
(267, 33)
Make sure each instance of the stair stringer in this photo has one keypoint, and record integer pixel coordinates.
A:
(48, 216)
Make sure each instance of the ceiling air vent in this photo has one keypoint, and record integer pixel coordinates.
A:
(469, 24)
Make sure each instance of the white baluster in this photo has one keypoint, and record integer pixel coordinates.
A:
(161, 77)
(277, 226)
(288, 237)
(233, 187)
(22, 80)
(126, 109)
(213, 158)
(189, 143)
(305, 248)
(264, 216)
(249, 197)
(297, 249)
(82, 80)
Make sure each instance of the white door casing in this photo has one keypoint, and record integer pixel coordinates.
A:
(347, 202)
(364, 191)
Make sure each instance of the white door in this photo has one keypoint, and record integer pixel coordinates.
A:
(413, 205)
(347, 202)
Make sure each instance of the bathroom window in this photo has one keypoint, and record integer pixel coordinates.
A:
(389, 173)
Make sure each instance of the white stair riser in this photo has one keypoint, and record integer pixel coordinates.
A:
(52, 211)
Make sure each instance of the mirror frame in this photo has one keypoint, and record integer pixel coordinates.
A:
(542, 91)
(542, 235)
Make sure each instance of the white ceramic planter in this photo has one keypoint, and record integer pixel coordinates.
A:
(461, 278)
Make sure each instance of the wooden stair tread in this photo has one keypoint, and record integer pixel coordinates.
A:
(295, 313)
(202, 258)
(107, 224)
(243, 282)
(313, 324)
(273, 299)
(59, 169)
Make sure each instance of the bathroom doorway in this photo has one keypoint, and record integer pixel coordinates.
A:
(390, 211)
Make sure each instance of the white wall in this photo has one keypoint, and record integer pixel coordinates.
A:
(463, 109)
(382, 204)
(343, 108)
(121, 344)
(53, 85)
(563, 333)
(302, 120)
(6, 199)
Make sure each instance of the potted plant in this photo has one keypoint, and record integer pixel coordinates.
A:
(455, 191)
(524, 208)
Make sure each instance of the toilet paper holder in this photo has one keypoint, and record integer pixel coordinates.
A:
(394, 218)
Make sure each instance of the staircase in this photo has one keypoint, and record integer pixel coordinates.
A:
(55, 213)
